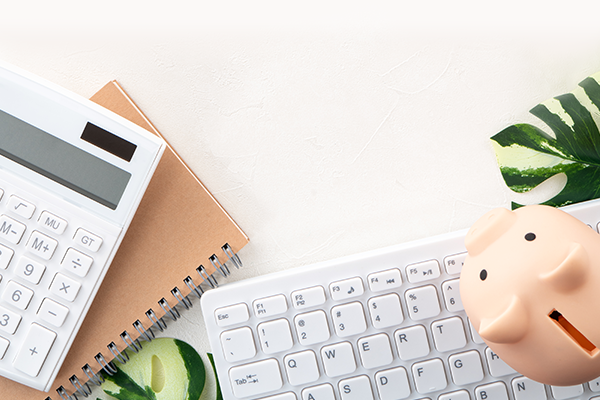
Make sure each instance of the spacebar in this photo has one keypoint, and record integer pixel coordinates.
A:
(256, 378)
(34, 350)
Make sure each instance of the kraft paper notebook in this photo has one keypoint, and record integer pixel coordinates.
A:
(178, 238)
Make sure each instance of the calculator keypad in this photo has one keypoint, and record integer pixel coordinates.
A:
(50, 259)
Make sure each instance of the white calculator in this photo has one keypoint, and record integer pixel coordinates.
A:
(71, 177)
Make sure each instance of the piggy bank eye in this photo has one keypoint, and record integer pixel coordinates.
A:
(483, 275)
(530, 237)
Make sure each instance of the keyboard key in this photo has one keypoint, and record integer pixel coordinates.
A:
(385, 280)
(21, 207)
(423, 302)
(454, 263)
(448, 334)
(53, 223)
(4, 343)
(6, 254)
(312, 327)
(356, 388)
(412, 342)
(423, 271)
(41, 245)
(275, 336)
(53, 313)
(375, 351)
(429, 376)
(320, 392)
(77, 262)
(283, 396)
(232, 315)
(30, 270)
(270, 306)
(527, 389)
(346, 289)
(35, 348)
(87, 240)
(11, 230)
(349, 319)
(493, 391)
(595, 385)
(566, 392)
(64, 287)
(310, 297)
(392, 384)
(238, 344)
(9, 321)
(256, 378)
(385, 311)
(496, 366)
(466, 368)
(451, 292)
(474, 335)
(301, 367)
(17, 295)
(458, 395)
(338, 359)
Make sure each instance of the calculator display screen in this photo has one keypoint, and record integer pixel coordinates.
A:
(62, 162)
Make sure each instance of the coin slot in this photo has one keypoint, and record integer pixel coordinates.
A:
(573, 332)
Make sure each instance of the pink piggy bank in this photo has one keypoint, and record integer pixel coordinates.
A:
(531, 288)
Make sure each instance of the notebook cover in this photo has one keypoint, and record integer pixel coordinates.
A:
(177, 227)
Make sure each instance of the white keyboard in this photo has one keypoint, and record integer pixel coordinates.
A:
(387, 324)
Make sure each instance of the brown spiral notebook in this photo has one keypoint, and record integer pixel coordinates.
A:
(179, 237)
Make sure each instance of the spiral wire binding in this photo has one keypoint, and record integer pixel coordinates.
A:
(108, 367)
(222, 268)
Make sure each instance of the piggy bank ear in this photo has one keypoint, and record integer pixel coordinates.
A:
(571, 272)
(487, 229)
(509, 327)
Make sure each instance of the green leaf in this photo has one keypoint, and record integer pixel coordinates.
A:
(219, 396)
(528, 155)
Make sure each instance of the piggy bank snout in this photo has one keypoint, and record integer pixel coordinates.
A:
(488, 229)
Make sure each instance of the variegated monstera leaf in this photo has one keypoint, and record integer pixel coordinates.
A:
(528, 155)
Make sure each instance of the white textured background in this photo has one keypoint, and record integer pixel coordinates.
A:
(324, 128)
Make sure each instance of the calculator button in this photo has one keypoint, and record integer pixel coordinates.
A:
(17, 295)
(30, 270)
(21, 207)
(41, 245)
(6, 254)
(9, 321)
(269, 306)
(87, 240)
(52, 222)
(64, 287)
(52, 312)
(11, 230)
(232, 315)
(309, 297)
(77, 262)
(4, 343)
(346, 289)
(34, 350)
